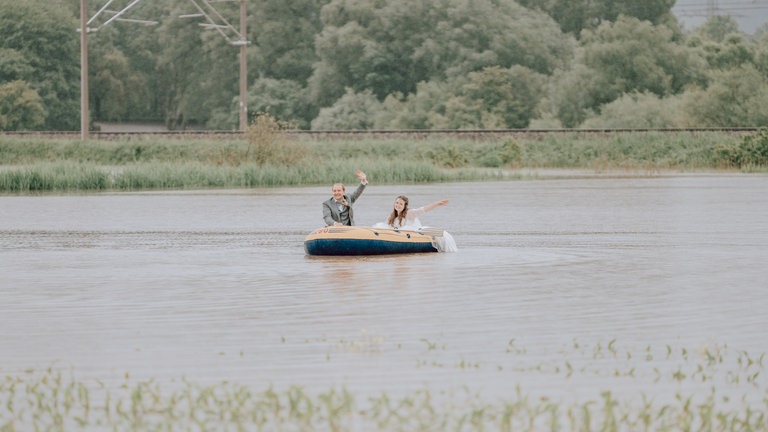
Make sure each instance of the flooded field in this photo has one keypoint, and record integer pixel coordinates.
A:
(647, 288)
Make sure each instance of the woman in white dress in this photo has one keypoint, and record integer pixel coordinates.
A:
(408, 219)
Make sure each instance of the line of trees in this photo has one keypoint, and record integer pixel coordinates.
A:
(388, 64)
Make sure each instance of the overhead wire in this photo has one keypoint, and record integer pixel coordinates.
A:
(706, 8)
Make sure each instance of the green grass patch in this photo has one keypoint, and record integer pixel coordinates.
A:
(274, 159)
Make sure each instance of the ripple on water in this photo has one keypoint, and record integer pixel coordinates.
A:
(223, 295)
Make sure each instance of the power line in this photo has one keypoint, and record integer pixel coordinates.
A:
(712, 7)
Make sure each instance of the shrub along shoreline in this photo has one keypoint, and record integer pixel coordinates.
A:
(270, 158)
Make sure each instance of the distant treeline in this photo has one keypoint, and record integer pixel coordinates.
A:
(395, 64)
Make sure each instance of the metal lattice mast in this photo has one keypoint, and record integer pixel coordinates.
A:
(84, 30)
(216, 21)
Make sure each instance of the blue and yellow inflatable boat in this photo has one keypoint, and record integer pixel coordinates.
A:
(352, 240)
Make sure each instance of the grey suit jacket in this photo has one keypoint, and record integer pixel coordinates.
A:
(331, 211)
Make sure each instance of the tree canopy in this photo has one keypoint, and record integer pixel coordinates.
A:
(39, 47)
(386, 64)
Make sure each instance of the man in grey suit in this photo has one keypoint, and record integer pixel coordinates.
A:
(338, 209)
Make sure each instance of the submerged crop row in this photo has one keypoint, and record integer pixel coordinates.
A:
(735, 399)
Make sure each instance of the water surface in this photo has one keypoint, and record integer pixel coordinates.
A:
(215, 285)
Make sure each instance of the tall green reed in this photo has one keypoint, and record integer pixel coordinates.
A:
(267, 157)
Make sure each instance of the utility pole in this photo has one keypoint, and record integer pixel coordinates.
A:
(243, 72)
(83, 71)
(711, 8)
(84, 29)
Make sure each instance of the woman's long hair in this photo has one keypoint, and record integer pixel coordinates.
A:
(394, 215)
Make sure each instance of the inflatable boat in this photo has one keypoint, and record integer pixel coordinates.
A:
(352, 240)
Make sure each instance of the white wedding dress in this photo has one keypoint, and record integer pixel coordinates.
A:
(443, 242)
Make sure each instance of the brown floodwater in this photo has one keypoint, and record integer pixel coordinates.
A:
(214, 285)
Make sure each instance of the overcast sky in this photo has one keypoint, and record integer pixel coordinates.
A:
(750, 14)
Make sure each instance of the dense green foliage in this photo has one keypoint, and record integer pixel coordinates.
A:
(270, 157)
(39, 56)
(373, 64)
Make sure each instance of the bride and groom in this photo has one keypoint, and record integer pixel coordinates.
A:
(338, 211)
